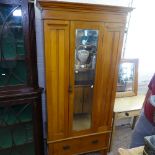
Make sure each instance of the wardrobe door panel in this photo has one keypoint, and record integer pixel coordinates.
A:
(57, 64)
(108, 75)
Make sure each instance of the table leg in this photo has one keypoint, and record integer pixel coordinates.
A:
(134, 122)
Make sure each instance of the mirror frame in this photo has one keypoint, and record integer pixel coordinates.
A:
(135, 82)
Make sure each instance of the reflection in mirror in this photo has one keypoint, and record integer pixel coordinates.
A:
(84, 70)
(127, 78)
(17, 13)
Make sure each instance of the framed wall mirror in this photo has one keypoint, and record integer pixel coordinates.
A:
(127, 82)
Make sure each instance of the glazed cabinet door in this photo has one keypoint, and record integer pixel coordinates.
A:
(13, 65)
(86, 55)
(57, 77)
(16, 128)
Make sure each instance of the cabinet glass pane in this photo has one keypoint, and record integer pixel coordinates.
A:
(16, 129)
(84, 70)
(12, 53)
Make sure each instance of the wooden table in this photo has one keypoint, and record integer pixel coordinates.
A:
(127, 107)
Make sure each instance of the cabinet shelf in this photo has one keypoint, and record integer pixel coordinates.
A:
(16, 26)
(16, 125)
(12, 59)
(16, 146)
(13, 26)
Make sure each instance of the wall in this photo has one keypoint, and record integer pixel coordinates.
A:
(140, 42)
(40, 63)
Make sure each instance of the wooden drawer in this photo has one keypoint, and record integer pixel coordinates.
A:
(66, 147)
(94, 142)
(119, 115)
(79, 145)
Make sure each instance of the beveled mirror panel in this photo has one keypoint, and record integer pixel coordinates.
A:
(127, 78)
(84, 73)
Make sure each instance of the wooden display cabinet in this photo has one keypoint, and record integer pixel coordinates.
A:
(20, 124)
(83, 45)
(20, 96)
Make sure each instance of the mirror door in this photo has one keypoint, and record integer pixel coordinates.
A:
(85, 43)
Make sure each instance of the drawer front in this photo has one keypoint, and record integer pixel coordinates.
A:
(127, 114)
(94, 142)
(79, 145)
(63, 148)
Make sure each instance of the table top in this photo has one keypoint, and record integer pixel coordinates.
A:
(129, 103)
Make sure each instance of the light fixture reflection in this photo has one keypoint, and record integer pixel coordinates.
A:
(17, 12)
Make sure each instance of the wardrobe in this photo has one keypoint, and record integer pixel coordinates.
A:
(82, 48)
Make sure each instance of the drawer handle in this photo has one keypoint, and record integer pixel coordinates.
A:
(126, 114)
(67, 147)
(95, 141)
